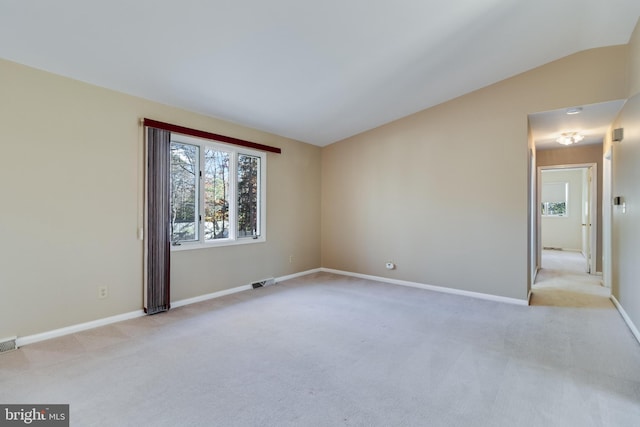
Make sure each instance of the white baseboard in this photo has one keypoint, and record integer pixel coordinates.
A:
(626, 318)
(222, 293)
(431, 287)
(295, 275)
(30, 339)
(218, 294)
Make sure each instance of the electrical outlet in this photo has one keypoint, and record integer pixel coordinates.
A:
(390, 266)
(290, 259)
(103, 292)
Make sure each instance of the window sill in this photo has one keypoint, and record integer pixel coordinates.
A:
(189, 246)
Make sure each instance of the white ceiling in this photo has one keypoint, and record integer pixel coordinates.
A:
(593, 121)
(315, 71)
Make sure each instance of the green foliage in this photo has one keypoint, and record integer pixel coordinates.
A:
(248, 167)
(185, 177)
(554, 208)
(184, 165)
(216, 191)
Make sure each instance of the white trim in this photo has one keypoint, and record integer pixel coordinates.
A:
(626, 318)
(607, 218)
(224, 292)
(218, 294)
(431, 287)
(212, 295)
(191, 245)
(30, 339)
(296, 275)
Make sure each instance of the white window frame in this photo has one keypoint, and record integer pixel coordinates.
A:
(234, 151)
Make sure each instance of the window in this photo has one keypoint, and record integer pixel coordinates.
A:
(554, 198)
(217, 193)
(184, 191)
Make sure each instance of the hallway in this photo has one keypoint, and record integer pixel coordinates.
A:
(563, 282)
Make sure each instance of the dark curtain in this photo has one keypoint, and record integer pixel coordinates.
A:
(158, 244)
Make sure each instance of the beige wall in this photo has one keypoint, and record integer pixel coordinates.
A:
(564, 232)
(626, 224)
(634, 61)
(580, 155)
(626, 176)
(443, 193)
(72, 196)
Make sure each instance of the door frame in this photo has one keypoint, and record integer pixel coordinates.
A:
(593, 210)
(607, 217)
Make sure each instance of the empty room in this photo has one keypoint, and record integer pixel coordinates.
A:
(319, 213)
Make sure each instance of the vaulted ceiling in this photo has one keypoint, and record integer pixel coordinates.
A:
(314, 71)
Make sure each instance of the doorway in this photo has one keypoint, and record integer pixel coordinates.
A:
(591, 122)
(567, 212)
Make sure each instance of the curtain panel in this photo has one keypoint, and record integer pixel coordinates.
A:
(157, 257)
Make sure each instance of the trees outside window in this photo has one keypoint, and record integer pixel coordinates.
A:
(216, 192)
(184, 191)
(555, 196)
(248, 192)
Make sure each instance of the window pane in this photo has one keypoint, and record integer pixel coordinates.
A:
(556, 208)
(216, 194)
(184, 191)
(554, 198)
(248, 201)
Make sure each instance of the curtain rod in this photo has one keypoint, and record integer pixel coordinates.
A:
(208, 135)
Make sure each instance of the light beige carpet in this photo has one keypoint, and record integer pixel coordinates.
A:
(326, 350)
(563, 282)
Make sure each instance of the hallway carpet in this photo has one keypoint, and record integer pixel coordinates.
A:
(562, 282)
(327, 350)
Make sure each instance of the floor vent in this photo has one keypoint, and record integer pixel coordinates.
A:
(7, 344)
(263, 283)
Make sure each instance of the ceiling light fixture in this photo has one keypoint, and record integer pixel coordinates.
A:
(574, 110)
(568, 138)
